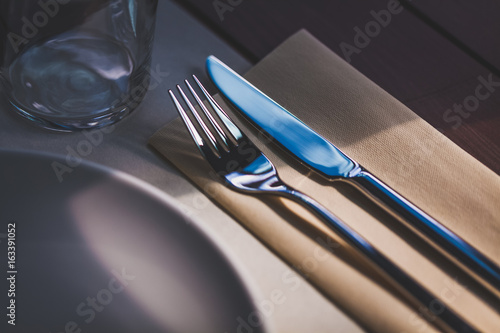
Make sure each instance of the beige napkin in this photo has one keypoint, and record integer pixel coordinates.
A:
(398, 147)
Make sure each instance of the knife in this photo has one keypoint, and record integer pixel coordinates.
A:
(320, 155)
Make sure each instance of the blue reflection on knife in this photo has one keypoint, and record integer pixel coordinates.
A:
(280, 124)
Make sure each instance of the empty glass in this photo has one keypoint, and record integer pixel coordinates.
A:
(74, 64)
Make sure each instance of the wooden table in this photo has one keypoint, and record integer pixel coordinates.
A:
(438, 58)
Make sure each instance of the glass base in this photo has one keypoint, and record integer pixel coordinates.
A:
(77, 80)
(71, 125)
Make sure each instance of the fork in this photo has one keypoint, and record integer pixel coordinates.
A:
(245, 168)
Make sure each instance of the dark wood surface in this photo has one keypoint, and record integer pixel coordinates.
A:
(475, 25)
(431, 56)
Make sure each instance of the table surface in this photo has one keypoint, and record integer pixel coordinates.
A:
(432, 56)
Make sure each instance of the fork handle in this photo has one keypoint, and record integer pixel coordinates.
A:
(444, 240)
(437, 312)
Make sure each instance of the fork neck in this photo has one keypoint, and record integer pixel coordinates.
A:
(280, 188)
(276, 185)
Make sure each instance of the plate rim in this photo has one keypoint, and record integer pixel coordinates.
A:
(248, 284)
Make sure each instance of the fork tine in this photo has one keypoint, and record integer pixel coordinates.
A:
(198, 139)
(233, 129)
(211, 118)
(200, 121)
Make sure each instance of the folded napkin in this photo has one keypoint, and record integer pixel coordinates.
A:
(393, 143)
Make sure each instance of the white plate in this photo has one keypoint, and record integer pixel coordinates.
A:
(74, 238)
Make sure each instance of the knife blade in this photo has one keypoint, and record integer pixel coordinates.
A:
(323, 157)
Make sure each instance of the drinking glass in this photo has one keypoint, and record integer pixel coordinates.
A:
(75, 64)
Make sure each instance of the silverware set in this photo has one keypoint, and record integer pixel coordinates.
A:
(243, 166)
(331, 163)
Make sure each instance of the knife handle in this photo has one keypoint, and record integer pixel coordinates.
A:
(431, 307)
(441, 238)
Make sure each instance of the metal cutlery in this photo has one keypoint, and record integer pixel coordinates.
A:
(320, 155)
(246, 169)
